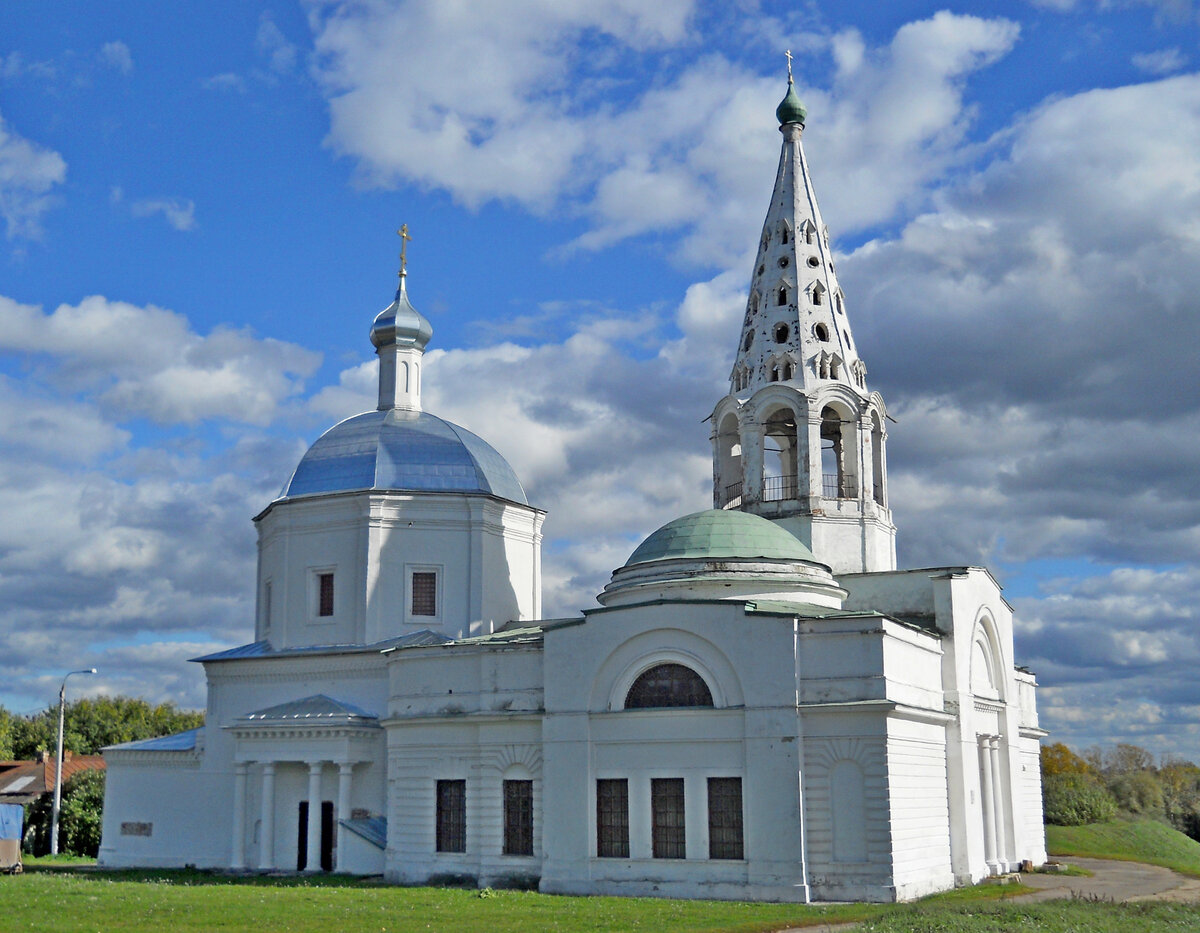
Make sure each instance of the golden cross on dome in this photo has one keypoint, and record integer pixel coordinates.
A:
(404, 238)
(788, 53)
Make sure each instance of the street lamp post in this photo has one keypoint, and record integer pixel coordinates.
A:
(62, 709)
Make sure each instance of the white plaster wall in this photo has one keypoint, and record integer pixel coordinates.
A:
(486, 552)
(920, 808)
(169, 791)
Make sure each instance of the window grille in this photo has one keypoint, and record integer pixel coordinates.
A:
(725, 818)
(668, 685)
(518, 817)
(452, 816)
(325, 594)
(667, 817)
(424, 593)
(612, 818)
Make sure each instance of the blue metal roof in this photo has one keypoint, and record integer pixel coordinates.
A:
(319, 707)
(373, 829)
(263, 649)
(179, 742)
(402, 450)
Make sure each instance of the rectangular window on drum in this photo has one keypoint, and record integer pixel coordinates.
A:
(667, 818)
(725, 818)
(452, 816)
(612, 818)
(424, 593)
(325, 594)
(518, 817)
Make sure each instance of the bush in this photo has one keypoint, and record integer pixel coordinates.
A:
(1138, 792)
(79, 817)
(1075, 799)
(81, 814)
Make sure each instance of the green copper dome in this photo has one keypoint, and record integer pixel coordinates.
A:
(790, 110)
(720, 534)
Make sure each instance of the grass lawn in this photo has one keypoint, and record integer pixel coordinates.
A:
(50, 897)
(1131, 839)
(58, 896)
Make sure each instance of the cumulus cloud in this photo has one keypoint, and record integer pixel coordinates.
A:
(117, 55)
(28, 175)
(1161, 62)
(280, 52)
(148, 362)
(493, 110)
(180, 213)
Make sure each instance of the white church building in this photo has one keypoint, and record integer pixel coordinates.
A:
(761, 707)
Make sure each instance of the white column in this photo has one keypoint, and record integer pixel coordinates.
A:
(266, 844)
(237, 860)
(345, 769)
(998, 802)
(989, 804)
(313, 860)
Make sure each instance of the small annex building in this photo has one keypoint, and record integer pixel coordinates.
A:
(762, 706)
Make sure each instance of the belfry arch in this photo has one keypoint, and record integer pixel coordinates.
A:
(839, 453)
(780, 447)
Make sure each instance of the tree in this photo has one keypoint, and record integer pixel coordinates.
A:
(91, 724)
(1127, 759)
(1072, 799)
(81, 814)
(1058, 759)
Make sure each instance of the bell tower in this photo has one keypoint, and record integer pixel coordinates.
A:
(799, 439)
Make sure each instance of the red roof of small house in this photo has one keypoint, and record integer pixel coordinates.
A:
(25, 781)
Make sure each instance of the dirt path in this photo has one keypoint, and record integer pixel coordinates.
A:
(1114, 881)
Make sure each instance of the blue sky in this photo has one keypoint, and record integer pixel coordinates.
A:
(199, 205)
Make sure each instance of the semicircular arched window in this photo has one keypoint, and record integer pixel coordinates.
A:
(668, 685)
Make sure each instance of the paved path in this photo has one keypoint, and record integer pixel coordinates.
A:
(1110, 881)
(1114, 881)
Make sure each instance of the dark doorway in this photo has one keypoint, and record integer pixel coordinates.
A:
(327, 836)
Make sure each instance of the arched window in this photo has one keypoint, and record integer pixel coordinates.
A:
(787, 371)
(668, 685)
(784, 233)
(817, 293)
(822, 333)
(783, 294)
(781, 333)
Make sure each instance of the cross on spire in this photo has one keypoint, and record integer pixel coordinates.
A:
(404, 238)
(788, 53)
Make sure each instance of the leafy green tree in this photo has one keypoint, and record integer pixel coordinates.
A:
(1072, 799)
(92, 723)
(81, 814)
(1138, 792)
(7, 724)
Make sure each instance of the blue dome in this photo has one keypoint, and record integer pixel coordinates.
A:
(402, 450)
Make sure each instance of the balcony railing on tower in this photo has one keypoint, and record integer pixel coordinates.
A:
(839, 487)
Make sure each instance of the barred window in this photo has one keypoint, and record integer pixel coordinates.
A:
(666, 815)
(518, 817)
(452, 816)
(725, 818)
(668, 685)
(612, 818)
(424, 593)
(325, 594)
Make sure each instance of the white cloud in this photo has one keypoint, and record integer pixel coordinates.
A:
(491, 110)
(147, 362)
(180, 213)
(1161, 62)
(280, 52)
(225, 81)
(117, 55)
(28, 173)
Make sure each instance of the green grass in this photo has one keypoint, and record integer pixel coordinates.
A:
(52, 898)
(1130, 839)
(1069, 916)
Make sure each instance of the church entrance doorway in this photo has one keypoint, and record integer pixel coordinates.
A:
(326, 836)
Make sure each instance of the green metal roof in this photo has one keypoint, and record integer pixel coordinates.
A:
(790, 109)
(718, 534)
